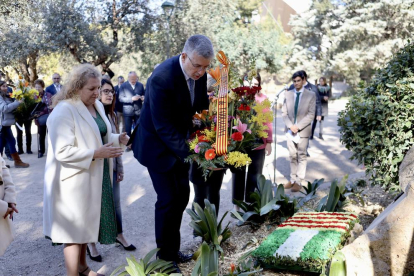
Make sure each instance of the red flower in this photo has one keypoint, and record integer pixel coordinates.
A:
(210, 154)
(232, 268)
(244, 107)
(237, 136)
(202, 138)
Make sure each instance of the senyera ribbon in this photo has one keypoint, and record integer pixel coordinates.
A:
(222, 106)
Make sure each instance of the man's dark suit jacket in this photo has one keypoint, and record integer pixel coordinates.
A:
(314, 89)
(125, 94)
(51, 89)
(166, 117)
(118, 104)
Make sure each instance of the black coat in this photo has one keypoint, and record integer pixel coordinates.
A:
(118, 104)
(125, 94)
(166, 117)
(314, 89)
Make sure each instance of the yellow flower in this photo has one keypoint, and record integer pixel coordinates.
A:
(210, 134)
(193, 143)
(232, 95)
(238, 159)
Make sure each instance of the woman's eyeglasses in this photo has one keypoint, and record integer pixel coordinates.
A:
(108, 91)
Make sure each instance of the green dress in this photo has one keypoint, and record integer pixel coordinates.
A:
(107, 226)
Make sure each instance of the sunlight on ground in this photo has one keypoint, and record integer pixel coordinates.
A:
(137, 193)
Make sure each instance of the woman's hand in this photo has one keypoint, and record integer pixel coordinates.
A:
(107, 151)
(123, 138)
(119, 176)
(268, 149)
(10, 211)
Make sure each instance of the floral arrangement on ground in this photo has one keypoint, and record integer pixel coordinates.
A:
(306, 241)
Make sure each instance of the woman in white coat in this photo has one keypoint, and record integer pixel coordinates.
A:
(78, 201)
(7, 206)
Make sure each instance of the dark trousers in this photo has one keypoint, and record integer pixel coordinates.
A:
(314, 125)
(41, 131)
(129, 122)
(242, 186)
(117, 201)
(6, 147)
(173, 192)
(27, 128)
(7, 136)
(209, 189)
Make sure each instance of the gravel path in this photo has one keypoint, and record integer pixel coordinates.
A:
(32, 254)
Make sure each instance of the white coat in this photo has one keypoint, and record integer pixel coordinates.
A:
(7, 195)
(73, 179)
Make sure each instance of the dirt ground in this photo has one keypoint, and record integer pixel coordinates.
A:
(32, 254)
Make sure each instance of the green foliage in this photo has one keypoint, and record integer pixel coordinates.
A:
(244, 268)
(205, 225)
(265, 205)
(145, 267)
(349, 38)
(338, 265)
(338, 196)
(377, 123)
(208, 262)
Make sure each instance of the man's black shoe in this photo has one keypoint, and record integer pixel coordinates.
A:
(183, 258)
(177, 269)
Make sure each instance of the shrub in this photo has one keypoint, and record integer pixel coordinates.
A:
(377, 123)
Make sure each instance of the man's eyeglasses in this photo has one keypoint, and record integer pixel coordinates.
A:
(56, 78)
(108, 91)
(199, 67)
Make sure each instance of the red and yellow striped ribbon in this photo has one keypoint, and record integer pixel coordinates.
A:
(222, 106)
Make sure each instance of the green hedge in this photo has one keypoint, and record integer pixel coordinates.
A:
(377, 123)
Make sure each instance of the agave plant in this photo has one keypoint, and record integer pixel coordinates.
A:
(205, 225)
(265, 205)
(145, 267)
(310, 191)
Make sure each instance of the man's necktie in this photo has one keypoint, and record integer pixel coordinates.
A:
(297, 104)
(191, 87)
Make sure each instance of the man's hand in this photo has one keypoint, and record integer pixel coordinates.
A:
(294, 129)
(10, 211)
(318, 118)
(325, 98)
(136, 97)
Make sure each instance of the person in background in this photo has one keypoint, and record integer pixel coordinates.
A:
(25, 123)
(107, 98)
(55, 86)
(131, 95)
(243, 186)
(325, 93)
(7, 107)
(78, 204)
(7, 148)
(298, 112)
(7, 207)
(42, 116)
(119, 106)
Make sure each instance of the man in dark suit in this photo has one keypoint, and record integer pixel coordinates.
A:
(131, 95)
(119, 106)
(55, 86)
(175, 91)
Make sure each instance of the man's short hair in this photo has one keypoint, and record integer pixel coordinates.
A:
(199, 44)
(120, 77)
(132, 73)
(304, 73)
(300, 74)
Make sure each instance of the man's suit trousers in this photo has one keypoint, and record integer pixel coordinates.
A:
(298, 159)
(173, 192)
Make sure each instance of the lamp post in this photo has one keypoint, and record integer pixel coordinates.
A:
(168, 8)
